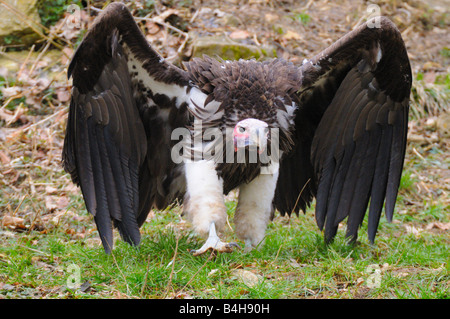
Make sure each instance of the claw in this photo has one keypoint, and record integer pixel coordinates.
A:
(213, 242)
(219, 246)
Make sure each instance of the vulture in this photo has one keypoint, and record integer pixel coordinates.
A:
(144, 134)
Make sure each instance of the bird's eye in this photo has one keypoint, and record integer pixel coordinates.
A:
(241, 129)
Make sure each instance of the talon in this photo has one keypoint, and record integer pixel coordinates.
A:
(231, 246)
(214, 243)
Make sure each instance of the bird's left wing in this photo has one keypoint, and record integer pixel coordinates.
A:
(125, 101)
(351, 128)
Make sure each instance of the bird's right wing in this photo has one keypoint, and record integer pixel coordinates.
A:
(125, 102)
(351, 129)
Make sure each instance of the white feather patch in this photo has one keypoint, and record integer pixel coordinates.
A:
(157, 87)
(286, 117)
(204, 196)
(379, 53)
(254, 208)
(196, 97)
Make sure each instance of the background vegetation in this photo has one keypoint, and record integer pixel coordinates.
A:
(47, 238)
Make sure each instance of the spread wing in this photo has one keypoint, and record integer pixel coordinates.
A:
(125, 101)
(351, 129)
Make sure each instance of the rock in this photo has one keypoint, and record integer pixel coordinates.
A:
(13, 29)
(229, 20)
(11, 62)
(247, 277)
(8, 287)
(227, 49)
(443, 125)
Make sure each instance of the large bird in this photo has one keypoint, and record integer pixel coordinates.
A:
(143, 133)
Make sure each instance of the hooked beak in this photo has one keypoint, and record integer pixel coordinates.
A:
(251, 133)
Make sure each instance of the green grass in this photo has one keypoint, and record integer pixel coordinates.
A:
(293, 263)
(301, 17)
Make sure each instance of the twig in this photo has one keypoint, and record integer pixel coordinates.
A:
(15, 116)
(23, 65)
(121, 272)
(306, 7)
(418, 154)
(146, 276)
(194, 16)
(20, 204)
(278, 252)
(17, 96)
(26, 128)
(146, 18)
(196, 273)
(95, 9)
(298, 198)
(228, 223)
(39, 57)
(35, 250)
(49, 41)
(156, 3)
(169, 284)
(37, 213)
(255, 38)
(186, 38)
(365, 16)
(167, 25)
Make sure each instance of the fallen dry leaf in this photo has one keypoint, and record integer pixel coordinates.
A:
(50, 189)
(438, 225)
(3, 72)
(240, 34)
(13, 222)
(7, 115)
(413, 230)
(271, 17)
(53, 202)
(213, 272)
(63, 95)
(443, 124)
(11, 91)
(65, 58)
(164, 15)
(429, 77)
(4, 158)
(295, 264)
(152, 27)
(430, 65)
(291, 35)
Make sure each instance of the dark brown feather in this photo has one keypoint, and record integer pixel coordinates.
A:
(344, 144)
(117, 144)
(352, 120)
(244, 89)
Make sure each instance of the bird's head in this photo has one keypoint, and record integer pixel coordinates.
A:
(251, 133)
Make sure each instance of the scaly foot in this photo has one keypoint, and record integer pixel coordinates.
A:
(213, 242)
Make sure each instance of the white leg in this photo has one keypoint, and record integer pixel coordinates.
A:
(254, 208)
(204, 202)
(204, 205)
